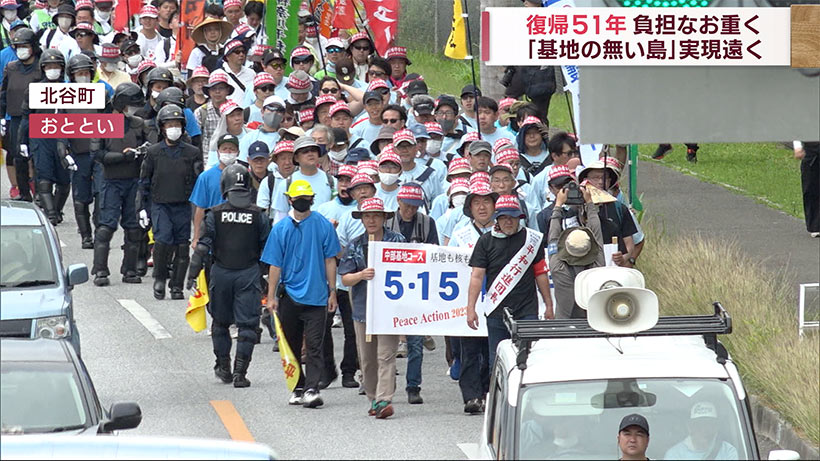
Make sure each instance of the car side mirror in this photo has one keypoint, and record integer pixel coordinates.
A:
(77, 274)
(784, 454)
(122, 415)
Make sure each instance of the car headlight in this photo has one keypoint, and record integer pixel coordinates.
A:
(53, 327)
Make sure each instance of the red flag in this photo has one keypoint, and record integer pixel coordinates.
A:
(121, 13)
(383, 19)
(345, 17)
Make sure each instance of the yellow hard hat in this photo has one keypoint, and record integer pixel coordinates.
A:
(299, 188)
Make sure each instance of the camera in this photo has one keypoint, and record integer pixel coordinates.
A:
(506, 79)
(574, 195)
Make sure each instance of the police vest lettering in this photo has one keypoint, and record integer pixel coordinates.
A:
(237, 217)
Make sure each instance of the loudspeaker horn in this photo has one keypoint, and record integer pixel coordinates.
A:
(623, 310)
(592, 280)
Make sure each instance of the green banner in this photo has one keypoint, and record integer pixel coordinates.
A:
(282, 25)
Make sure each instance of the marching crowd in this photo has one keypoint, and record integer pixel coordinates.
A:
(273, 171)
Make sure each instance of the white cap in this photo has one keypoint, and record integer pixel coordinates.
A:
(336, 41)
(271, 100)
(703, 410)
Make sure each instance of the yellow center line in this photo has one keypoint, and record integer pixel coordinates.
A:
(231, 420)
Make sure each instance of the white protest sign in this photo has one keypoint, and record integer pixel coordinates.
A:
(420, 289)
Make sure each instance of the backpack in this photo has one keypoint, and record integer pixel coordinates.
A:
(210, 60)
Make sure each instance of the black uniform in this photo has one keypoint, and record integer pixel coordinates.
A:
(235, 237)
(121, 173)
(82, 183)
(16, 79)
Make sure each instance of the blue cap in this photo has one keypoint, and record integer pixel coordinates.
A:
(258, 149)
(419, 131)
(17, 23)
(356, 155)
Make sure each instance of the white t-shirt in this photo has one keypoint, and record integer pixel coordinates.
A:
(148, 46)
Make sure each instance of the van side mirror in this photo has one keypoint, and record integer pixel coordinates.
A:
(122, 415)
(76, 274)
(784, 454)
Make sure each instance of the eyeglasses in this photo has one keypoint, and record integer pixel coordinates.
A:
(446, 113)
(267, 88)
(362, 48)
(277, 65)
(334, 49)
(83, 34)
(390, 121)
(330, 90)
(376, 73)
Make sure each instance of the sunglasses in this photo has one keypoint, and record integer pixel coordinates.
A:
(239, 50)
(330, 90)
(267, 88)
(333, 49)
(390, 121)
(362, 48)
(277, 65)
(376, 73)
(83, 34)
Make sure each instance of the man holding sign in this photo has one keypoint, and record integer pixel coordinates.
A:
(512, 260)
(377, 353)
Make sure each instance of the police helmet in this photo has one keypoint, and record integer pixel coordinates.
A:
(24, 36)
(169, 113)
(127, 94)
(159, 75)
(170, 95)
(52, 56)
(79, 62)
(235, 185)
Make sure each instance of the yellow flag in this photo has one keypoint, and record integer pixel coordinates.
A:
(456, 47)
(289, 364)
(195, 314)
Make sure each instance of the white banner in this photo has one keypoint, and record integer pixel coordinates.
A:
(60, 95)
(636, 36)
(420, 289)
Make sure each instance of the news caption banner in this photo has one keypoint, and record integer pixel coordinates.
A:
(420, 289)
(636, 36)
(74, 97)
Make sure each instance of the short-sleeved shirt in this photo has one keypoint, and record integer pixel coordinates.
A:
(300, 251)
(365, 131)
(268, 137)
(207, 192)
(322, 190)
(355, 260)
(390, 198)
(493, 254)
(616, 221)
(348, 228)
(335, 209)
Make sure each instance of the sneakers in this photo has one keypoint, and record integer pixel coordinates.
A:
(815, 234)
(401, 352)
(101, 281)
(474, 406)
(384, 410)
(692, 155)
(295, 397)
(372, 410)
(455, 369)
(337, 321)
(429, 343)
(661, 151)
(362, 391)
(312, 399)
(414, 397)
(14, 193)
(234, 331)
(328, 379)
(349, 381)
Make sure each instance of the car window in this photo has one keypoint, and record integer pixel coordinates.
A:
(688, 419)
(25, 257)
(496, 422)
(40, 399)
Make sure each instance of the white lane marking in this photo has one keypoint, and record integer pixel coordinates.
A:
(469, 449)
(62, 245)
(145, 318)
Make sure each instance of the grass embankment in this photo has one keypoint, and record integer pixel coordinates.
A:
(689, 273)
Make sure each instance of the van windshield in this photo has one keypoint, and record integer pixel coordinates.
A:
(688, 419)
(25, 259)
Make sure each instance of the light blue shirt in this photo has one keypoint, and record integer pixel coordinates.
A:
(334, 210)
(365, 131)
(439, 208)
(213, 156)
(349, 228)
(431, 186)
(391, 199)
(268, 137)
(322, 191)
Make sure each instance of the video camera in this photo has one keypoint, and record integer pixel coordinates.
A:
(574, 195)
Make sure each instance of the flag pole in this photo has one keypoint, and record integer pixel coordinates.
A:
(466, 16)
(364, 25)
(319, 38)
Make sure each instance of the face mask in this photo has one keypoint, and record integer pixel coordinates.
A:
(301, 204)
(110, 67)
(447, 125)
(434, 146)
(53, 74)
(10, 15)
(458, 200)
(173, 133)
(155, 95)
(103, 15)
(388, 179)
(23, 53)
(64, 23)
(272, 119)
(135, 60)
(131, 110)
(338, 155)
(82, 79)
(227, 158)
(322, 150)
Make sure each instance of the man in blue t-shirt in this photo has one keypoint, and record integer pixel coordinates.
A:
(207, 193)
(302, 250)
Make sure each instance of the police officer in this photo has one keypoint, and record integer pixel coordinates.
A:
(235, 232)
(169, 171)
(52, 162)
(16, 78)
(80, 69)
(121, 163)
(173, 95)
(158, 79)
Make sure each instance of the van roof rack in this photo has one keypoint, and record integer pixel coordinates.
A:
(524, 332)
